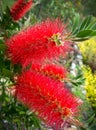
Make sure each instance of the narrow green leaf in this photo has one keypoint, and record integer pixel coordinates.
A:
(80, 39)
(76, 22)
(90, 120)
(85, 23)
(93, 33)
(84, 33)
(92, 25)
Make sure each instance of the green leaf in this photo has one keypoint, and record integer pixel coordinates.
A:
(22, 113)
(92, 26)
(6, 72)
(36, 121)
(85, 23)
(2, 47)
(84, 33)
(85, 30)
(90, 120)
(76, 21)
(80, 39)
(93, 33)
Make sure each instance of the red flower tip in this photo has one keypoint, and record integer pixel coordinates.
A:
(47, 97)
(51, 70)
(38, 43)
(20, 8)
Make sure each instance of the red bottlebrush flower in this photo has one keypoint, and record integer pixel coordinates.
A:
(52, 70)
(20, 8)
(38, 43)
(48, 98)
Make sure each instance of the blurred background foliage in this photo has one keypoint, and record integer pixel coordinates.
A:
(13, 115)
(65, 9)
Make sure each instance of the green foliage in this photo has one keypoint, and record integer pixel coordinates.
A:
(13, 115)
(78, 83)
(83, 29)
(54, 8)
(5, 3)
(89, 118)
(89, 7)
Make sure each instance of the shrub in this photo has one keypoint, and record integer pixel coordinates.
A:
(88, 51)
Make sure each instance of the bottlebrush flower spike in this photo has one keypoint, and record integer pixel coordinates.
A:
(52, 70)
(48, 98)
(20, 8)
(39, 43)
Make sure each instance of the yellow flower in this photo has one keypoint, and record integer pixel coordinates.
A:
(88, 51)
(90, 85)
